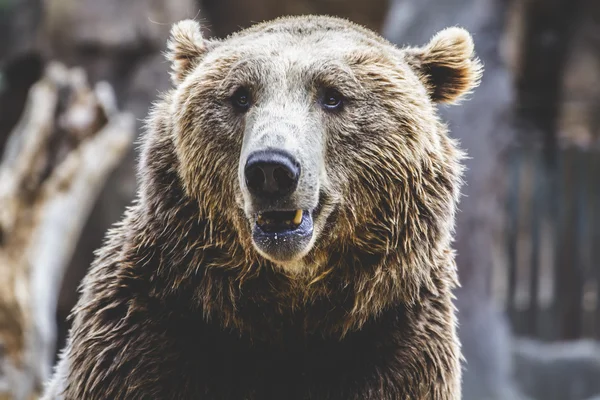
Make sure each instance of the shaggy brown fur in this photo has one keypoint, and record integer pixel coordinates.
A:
(180, 305)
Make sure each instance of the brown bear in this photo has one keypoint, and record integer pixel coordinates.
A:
(292, 234)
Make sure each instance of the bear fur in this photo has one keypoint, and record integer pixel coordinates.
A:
(179, 304)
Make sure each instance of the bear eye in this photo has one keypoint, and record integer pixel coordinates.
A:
(241, 99)
(331, 99)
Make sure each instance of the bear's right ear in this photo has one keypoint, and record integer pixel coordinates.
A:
(185, 48)
(447, 65)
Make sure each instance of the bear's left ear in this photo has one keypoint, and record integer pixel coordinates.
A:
(185, 48)
(447, 65)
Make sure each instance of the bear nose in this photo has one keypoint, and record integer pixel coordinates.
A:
(271, 173)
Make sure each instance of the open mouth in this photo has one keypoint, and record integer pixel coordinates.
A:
(282, 234)
(284, 222)
(279, 221)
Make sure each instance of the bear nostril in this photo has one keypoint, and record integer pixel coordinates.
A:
(271, 173)
(284, 178)
(255, 178)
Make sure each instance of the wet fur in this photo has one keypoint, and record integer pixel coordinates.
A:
(179, 305)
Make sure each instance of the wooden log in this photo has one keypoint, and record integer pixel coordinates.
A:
(56, 161)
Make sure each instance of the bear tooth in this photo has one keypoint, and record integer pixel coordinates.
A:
(298, 217)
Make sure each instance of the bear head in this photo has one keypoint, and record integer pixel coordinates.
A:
(313, 147)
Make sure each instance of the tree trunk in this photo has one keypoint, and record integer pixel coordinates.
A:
(55, 162)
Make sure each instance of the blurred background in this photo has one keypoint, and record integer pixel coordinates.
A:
(77, 78)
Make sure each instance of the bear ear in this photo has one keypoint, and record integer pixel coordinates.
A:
(447, 65)
(185, 48)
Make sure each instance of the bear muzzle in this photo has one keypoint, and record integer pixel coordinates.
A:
(279, 203)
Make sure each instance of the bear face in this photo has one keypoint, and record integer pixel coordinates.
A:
(307, 133)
